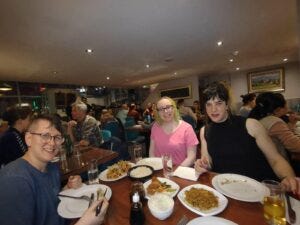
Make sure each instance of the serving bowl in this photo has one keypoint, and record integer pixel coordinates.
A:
(161, 206)
(140, 173)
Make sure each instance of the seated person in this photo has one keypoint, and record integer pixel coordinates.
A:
(171, 135)
(12, 143)
(248, 104)
(185, 111)
(30, 184)
(84, 128)
(122, 113)
(234, 144)
(134, 113)
(106, 116)
(268, 110)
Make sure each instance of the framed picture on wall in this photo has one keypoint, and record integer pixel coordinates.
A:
(269, 80)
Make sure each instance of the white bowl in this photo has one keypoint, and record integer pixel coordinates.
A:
(161, 206)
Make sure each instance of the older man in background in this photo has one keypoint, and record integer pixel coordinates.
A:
(83, 129)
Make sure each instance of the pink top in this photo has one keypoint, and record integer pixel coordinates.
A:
(175, 143)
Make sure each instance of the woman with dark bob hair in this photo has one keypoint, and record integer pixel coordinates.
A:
(270, 108)
(234, 144)
(12, 143)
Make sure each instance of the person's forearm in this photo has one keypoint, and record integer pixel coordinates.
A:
(283, 169)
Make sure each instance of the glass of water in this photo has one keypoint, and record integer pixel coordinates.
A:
(93, 172)
(167, 165)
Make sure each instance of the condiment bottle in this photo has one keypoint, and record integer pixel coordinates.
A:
(136, 212)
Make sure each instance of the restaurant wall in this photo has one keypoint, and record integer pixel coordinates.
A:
(239, 86)
(176, 83)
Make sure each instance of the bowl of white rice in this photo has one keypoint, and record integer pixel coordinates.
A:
(140, 173)
(161, 205)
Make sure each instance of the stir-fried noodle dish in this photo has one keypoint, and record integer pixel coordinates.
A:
(201, 199)
(118, 169)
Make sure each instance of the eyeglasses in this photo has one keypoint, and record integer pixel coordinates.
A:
(58, 139)
(167, 108)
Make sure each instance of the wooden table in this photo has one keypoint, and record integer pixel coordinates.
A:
(242, 213)
(79, 164)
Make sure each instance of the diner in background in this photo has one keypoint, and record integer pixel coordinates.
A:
(83, 129)
(12, 143)
(171, 135)
(185, 111)
(134, 113)
(234, 144)
(269, 109)
(122, 113)
(30, 184)
(248, 104)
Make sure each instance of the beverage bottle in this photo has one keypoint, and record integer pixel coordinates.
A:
(136, 212)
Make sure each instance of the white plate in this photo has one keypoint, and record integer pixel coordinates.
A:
(210, 220)
(74, 208)
(102, 176)
(221, 198)
(155, 162)
(162, 179)
(239, 187)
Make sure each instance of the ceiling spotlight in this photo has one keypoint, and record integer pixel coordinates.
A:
(175, 73)
(285, 59)
(147, 66)
(89, 50)
(237, 68)
(219, 43)
(107, 78)
(230, 60)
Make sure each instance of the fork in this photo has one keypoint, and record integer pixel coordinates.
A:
(291, 212)
(183, 221)
(83, 197)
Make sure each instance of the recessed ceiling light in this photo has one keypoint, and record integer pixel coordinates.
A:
(104, 86)
(175, 73)
(230, 60)
(219, 43)
(285, 59)
(237, 68)
(107, 78)
(89, 50)
(54, 72)
(147, 66)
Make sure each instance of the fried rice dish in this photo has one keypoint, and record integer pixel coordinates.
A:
(201, 199)
(118, 169)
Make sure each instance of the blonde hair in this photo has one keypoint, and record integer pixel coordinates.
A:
(176, 117)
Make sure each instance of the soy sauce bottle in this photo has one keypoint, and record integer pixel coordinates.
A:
(136, 212)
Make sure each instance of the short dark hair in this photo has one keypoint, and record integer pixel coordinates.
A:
(52, 119)
(12, 114)
(248, 98)
(216, 90)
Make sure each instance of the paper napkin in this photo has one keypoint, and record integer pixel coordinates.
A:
(187, 173)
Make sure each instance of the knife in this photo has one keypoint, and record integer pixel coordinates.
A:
(291, 212)
(92, 199)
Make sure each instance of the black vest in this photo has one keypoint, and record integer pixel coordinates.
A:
(233, 150)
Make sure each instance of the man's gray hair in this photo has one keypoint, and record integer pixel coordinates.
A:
(80, 106)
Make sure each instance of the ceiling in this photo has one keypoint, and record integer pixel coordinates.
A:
(45, 41)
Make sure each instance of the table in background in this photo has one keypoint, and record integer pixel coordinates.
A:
(77, 165)
(242, 213)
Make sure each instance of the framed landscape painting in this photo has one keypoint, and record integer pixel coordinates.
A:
(269, 80)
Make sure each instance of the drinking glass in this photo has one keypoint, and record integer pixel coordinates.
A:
(167, 165)
(137, 152)
(273, 203)
(93, 172)
(63, 159)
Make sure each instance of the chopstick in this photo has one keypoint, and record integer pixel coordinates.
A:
(98, 208)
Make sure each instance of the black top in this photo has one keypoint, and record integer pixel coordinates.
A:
(12, 145)
(233, 150)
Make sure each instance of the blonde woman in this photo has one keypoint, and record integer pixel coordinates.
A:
(171, 135)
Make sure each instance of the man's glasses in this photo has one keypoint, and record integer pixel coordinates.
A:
(58, 139)
(167, 108)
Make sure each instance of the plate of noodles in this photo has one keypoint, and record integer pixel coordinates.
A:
(116, 171)
(202, 200)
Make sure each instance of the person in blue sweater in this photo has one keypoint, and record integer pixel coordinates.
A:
(30, 184)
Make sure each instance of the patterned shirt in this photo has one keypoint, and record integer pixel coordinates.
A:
(88, 130)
